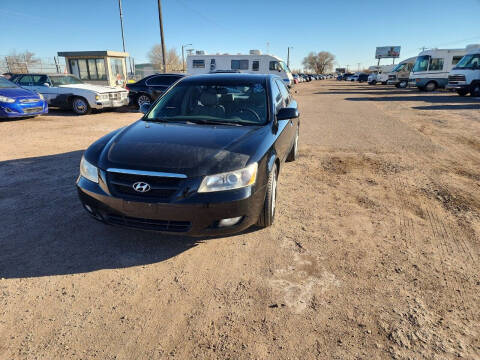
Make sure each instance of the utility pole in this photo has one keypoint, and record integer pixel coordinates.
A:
(164, 63)
(288, 56)
(358, 64)
(183, 56)
(347, 67)
(123, 37)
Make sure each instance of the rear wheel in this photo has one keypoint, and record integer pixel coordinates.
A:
(142, 99)
(267, 215)
(462, 92)
(403, 84)
(80, 106)
(431, 86)
(475, 90)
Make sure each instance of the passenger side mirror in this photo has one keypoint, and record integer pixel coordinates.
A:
(287, 113)
(46, 84)
(145, 107)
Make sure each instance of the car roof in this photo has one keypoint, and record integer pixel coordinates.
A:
(45, 74)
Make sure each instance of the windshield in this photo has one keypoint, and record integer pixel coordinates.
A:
(213, 102)
(4, 83)
(65, 80)
(400, 67)
(469, 62)
(421, 64)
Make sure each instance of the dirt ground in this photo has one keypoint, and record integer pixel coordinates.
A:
(374, 253)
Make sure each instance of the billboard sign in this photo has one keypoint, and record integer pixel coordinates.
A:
(387, 52)
(340, 70)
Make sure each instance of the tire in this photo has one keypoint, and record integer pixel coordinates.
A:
(475, 90)
(374, 82)
(80, 106)
(397, 86)
(143, 98)
(431, 86)
(462, 92)
(267, 215)
(293, 155)
(403, 84)
(384, 83)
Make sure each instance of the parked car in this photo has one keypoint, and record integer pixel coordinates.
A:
(353, 77)
(362, 77)
(69, 92)
(203, 160)
(16, 102)
(150, 88)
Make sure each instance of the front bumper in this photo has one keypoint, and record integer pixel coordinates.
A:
(17, 109)
(196, 216)
(102, 104)
(460, 85)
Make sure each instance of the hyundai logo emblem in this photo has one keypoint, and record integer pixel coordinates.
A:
(140, 186)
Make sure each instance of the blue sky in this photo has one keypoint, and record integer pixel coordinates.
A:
(349, 29)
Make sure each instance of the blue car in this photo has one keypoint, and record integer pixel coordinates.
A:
(19, 102)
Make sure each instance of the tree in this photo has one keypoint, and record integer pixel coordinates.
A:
(20, 62)
(172, 60)
(320, 63)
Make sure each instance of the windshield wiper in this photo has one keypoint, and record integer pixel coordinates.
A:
(214, 122)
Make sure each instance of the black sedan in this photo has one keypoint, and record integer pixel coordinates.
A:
(203, 160)
(150, 88)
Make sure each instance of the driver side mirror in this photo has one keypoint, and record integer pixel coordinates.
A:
(145, 107)
(287, 113)
(46, 84)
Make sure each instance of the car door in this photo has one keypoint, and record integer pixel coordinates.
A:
(282, 128)
(291, 127)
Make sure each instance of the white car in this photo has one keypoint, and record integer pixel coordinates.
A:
(68, 91)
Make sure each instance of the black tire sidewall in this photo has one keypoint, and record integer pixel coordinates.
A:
(88, 109)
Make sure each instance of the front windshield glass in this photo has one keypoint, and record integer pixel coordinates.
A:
(65, 80)
(400, 67)
(5, 84)
(469, 62)
(213, 102)
(421, 64)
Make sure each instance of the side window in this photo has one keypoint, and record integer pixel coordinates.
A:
(276, 96)
(239, 64)
(199, 64)
(436, 64)
(39, 80)
(25, 80)
(274, 65)
(157, 80)
(284, 91)
(456, 59)
(255, 65)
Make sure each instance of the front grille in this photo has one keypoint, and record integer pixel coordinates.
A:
(29, 101)
(454, 78)
(114, 96)
(32, 110)
(161, 188)
(149, 224)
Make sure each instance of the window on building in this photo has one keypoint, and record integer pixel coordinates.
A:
(101, 73)
(82, 69)
(274, 65)
(255, 65)
(88, 69)
(239, 65)
(116, 65)
(436, 65)
(198, 64)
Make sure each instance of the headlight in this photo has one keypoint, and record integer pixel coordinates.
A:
(40, 96)
(5, 99)
(88, 171)
(230, 180)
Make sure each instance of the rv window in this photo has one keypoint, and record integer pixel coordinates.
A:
(239, 65)
(436, 65)
(421, 64)
(456, 59)
(198, 64)
(274, 65)
(255, 65)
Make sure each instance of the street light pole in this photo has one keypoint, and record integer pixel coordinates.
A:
(183, 56)
(288, 56)
(123, 37)
(164, 63)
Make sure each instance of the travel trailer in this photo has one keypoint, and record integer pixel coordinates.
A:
(401, 73)
(465, 76)
(379, 74)
(253, 63)
(432, 67)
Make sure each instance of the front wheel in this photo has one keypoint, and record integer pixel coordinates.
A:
(462, 92)
(267, 215)
(81, 106)
(431, 86)
(475, 90)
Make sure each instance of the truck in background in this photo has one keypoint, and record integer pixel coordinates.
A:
(464, 78)
(379, 74)
(432, 67)
(400, 74)
(253, 63)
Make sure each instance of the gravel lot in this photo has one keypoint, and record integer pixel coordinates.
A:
(374, 253)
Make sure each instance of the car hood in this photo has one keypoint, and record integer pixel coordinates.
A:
(193, 150)
(94, 88)
(17, 92)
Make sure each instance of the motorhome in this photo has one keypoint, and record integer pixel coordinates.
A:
(465, 76)
(400, 74)
(253, 63)
(379, 74)
(432, 67)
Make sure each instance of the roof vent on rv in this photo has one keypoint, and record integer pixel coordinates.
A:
(200, 52)
(255, 52)
(472, 47)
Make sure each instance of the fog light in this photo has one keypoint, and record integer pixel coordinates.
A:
(229, 222)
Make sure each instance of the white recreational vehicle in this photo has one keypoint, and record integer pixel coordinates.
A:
(433, 66)
(465, 76)
(401, 73)
(253, 63)
(379, 74)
